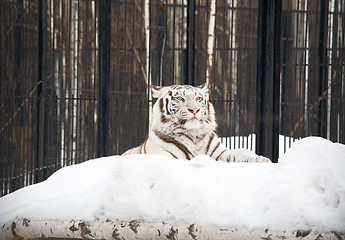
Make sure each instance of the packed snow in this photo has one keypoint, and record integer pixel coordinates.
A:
(305, 190)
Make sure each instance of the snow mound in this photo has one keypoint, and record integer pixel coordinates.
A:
(305, 191)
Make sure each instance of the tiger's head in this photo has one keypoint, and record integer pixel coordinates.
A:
(184, 108)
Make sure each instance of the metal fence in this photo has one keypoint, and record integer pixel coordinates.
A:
(75, 74)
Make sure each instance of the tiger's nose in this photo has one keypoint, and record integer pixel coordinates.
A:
(194, 110)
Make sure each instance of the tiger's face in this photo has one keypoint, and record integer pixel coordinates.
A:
(183, 106)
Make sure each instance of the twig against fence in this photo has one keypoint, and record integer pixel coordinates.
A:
(137, 56)
(20, 107)
(323, 96)
(32, 171)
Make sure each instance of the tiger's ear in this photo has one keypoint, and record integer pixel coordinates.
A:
(156, 91)
(204, 88)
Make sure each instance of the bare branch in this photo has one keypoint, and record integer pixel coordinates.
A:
(20, 107)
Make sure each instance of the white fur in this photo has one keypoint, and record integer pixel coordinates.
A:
(177, 132)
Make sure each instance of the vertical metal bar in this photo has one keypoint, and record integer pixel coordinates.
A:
(261, 120)
(190, 43)
(15, 171)
(42, 53)
(341, 90)
(276, 79)
(103, 77)
(267, 120)
(322, 105)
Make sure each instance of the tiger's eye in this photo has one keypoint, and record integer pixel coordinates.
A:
(198, 98)
(179, 98)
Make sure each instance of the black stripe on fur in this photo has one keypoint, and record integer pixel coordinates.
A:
(179, 145)
(215, 148)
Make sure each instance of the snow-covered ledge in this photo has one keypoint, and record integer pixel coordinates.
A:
(304, 191)
(26, 229)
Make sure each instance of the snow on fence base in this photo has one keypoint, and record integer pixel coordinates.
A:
(73, 229)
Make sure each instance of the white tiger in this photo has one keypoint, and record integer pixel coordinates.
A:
(183, 126)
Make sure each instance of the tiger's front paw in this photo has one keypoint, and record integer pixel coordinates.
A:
(262, 159)
(245, 155)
